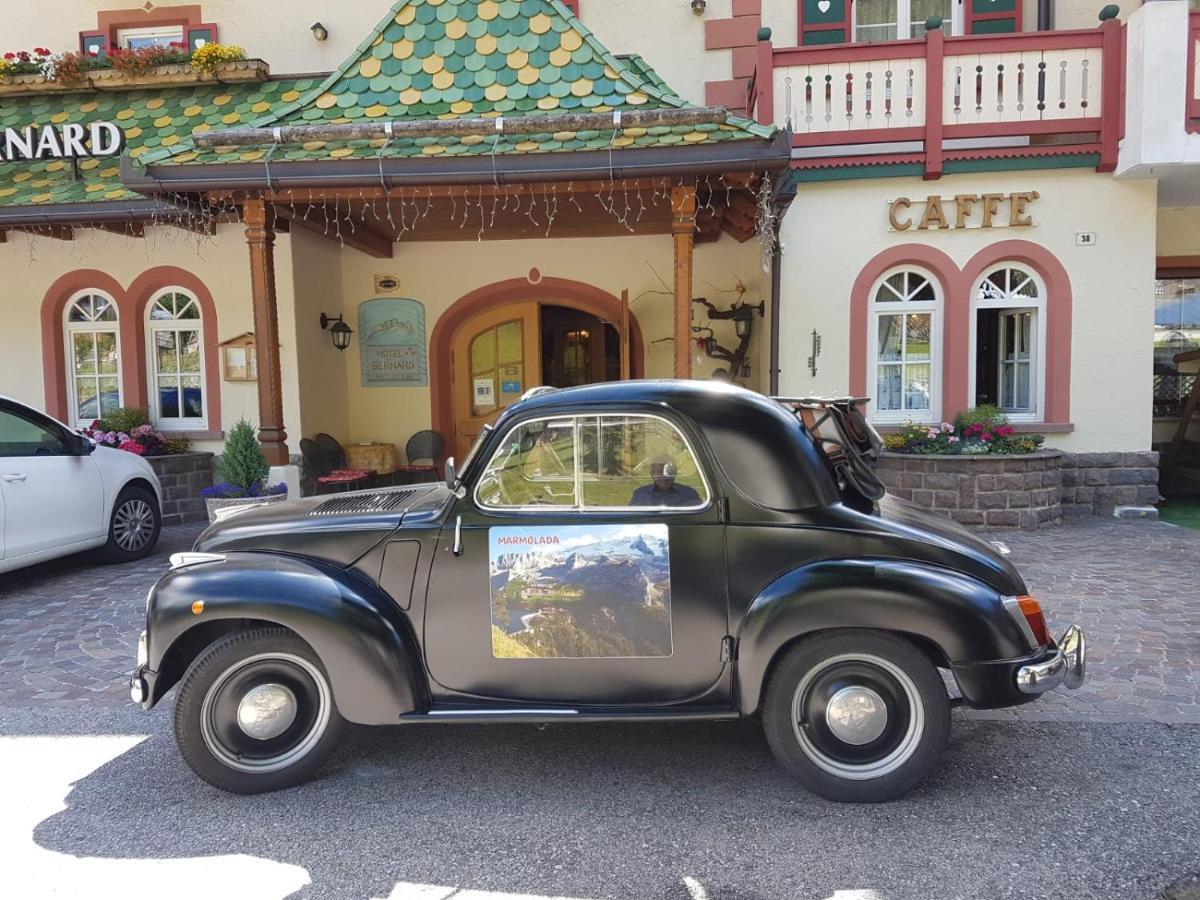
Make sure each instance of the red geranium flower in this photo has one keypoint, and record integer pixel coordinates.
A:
(132, 447)
(41, 51)
(10, 56)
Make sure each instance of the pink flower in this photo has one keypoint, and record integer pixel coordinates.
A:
(986, 436)
(1005, 431)
(952, 439)
(947, 427)
(123, 438)
(10, 56)
(131, 447)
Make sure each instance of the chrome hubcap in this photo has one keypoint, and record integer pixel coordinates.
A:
(267, 711)
(133, 524)
(856, 715)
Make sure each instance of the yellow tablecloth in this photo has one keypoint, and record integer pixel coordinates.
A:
(379, 458)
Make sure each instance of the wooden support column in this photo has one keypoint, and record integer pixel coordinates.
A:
(683, 231)
(261, 238)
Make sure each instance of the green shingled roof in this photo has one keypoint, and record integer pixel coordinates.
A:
(152, 120)
(448, 59)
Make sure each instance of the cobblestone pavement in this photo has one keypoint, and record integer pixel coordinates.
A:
(68, 627)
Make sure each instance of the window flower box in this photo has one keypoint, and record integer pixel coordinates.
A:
(231, 72)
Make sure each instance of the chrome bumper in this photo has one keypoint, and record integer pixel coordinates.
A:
(1067, 665)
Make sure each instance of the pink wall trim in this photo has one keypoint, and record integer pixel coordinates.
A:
(143, 289)
(956, 285)
(1059, 307)
(131, 310)
(939, 265)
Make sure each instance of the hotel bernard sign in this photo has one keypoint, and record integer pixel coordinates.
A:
(963, 211)
(70, 141)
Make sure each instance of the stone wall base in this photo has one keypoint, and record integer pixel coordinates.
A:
(992, 492)
(1094, 484)
(182, 476)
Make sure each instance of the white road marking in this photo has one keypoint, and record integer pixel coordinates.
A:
(694, 888)
(407, 891)
(36, 777)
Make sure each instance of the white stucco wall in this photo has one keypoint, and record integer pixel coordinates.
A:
(1156, 141)
(834, 229)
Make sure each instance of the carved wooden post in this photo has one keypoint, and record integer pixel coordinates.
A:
(683, 229)
(261, 238)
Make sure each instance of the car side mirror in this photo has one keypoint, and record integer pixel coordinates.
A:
(82, 446)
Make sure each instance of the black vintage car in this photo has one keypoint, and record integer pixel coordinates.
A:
(636, 550)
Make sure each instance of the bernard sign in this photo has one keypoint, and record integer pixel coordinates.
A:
(71, 141)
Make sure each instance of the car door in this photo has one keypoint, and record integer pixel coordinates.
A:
(563, 590)
(52, 497)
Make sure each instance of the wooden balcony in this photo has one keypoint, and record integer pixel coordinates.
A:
(928, 102)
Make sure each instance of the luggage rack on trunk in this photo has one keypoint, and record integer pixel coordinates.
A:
(849, 442)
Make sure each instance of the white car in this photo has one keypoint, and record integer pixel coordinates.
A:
(60, 493)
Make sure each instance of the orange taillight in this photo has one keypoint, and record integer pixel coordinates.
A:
(1037, 621)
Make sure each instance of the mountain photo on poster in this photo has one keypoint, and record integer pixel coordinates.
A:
(580, 592)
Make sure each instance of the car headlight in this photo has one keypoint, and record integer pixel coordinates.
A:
(143, 653)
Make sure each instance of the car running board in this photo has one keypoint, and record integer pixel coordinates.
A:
(558, 714)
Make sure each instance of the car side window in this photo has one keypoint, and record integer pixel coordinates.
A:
(534, 466)
(588, 463)
(638, 461)
(21, 436)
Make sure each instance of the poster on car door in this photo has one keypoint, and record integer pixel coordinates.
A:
(580, 591)
(392, 341)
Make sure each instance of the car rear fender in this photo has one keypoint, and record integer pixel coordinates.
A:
(363, 640)
(953, 617)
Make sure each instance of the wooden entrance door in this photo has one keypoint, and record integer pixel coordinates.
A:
(496, 358)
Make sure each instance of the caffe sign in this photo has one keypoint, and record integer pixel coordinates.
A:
(962, 211)
(71, 141)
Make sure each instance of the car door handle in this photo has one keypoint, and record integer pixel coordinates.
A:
(9, 479)
(458, 547)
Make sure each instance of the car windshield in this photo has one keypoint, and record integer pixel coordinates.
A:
(474, 451)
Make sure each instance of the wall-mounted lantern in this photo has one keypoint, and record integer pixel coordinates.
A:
(320, 32)
(338, 330)
(698, 6)
(742, 315)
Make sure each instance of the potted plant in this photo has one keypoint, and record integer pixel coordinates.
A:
(243, 473)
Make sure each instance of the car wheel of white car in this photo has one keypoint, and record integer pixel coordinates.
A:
(857, 716)
(255, 712)
(134, 526)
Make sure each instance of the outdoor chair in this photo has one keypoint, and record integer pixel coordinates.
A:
(325, 472)
(424, 445)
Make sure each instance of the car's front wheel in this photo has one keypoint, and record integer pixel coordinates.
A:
(857, 716)
(255, 712)
(134, 525)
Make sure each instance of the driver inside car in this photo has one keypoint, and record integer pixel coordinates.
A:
(663, 491)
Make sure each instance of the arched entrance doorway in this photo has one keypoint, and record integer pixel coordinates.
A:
(499, 341)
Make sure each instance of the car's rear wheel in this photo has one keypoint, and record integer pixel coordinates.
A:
(134, 526)
(857, 716)
(255, 712)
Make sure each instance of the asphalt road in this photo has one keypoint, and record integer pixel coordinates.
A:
(1018, 809)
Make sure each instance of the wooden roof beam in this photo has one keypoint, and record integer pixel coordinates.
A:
(344, 231)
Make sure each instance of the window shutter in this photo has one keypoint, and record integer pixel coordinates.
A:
(93, 43)
(825, 21)
(993, 16)
(199, 35)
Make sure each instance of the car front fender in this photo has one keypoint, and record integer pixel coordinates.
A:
(960, 618)
(364, 642)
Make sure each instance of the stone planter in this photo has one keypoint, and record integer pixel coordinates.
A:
(993, 492)
(232, 72)
(213, 505)
(182, 477)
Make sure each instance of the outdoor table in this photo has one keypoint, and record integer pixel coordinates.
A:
(368, 455)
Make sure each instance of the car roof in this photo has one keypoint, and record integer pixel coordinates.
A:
(760, 445)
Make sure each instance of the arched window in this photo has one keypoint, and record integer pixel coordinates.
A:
(1008, 321)
(93, 357)
(175, 357)
(904, 356)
